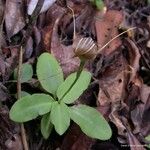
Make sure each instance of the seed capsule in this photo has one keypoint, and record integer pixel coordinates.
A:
(85, 48)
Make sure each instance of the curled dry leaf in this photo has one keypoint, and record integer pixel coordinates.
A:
(28, 48)
(1, 11)
(14, 17)
(45, 7)
(8, 64)
(64, 54)
(139, 114)
(134, 58)
(106, 29)
(134, 142)
(51, 16)
(2, 40)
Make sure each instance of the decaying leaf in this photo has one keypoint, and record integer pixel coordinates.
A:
(75, 139)
(14, 17)
(1, 11)
(51, 16)
(64, 54)
(134, 143)
(106, 29)
(9, 140)
(8, 64)
(45, 7)
(134, 58)
(139, 114)
(113, 81)
(2, 39)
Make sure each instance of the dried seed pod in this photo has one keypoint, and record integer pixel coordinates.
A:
(85, 48)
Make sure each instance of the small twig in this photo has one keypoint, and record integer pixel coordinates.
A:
(23, 133)
(29, 29)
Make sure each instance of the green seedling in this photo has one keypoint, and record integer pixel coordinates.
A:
(54, 108)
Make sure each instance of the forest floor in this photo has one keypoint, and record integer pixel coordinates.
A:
(120, 85)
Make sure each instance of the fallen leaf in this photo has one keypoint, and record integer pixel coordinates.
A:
(4, 93)
(51, 16)
(139, 113)
(83, 19)
(76, 139)
(106, 29)
(32, 5)
(134, 143)
(14, 17)
(134, 59)
(14, 144)
(64, 54)
(1, 11)
(9, 63)
(113, 81)
(9, 140)
(28, 48)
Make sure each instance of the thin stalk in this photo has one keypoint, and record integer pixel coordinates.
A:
(115, 38)
(74, 23)
(82, 62)
(23, 133)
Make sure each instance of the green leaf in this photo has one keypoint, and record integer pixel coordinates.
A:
(26, 73)
(98, 3)
(79, 87)
(46, 126)
(60, 117)
(49, 72)
(23, 94)
(91, 122)
(29, 107)
(148, 139)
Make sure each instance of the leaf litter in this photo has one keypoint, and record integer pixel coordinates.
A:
(121, 71)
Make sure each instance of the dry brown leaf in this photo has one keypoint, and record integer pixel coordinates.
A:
(134, 59)
(1, 11)
(112, 91)
(83, 19)
(14, 17)
(139, 114)
(28, 48)
(2, 39)
(134, 143)
(106, 29)
(51, 16)
(46, 35)
(76, 140)
(64, 54)
(9, 140)
(113, 81)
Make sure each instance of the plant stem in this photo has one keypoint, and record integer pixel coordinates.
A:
(23, 133)
(115, 38)
(82, 62)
